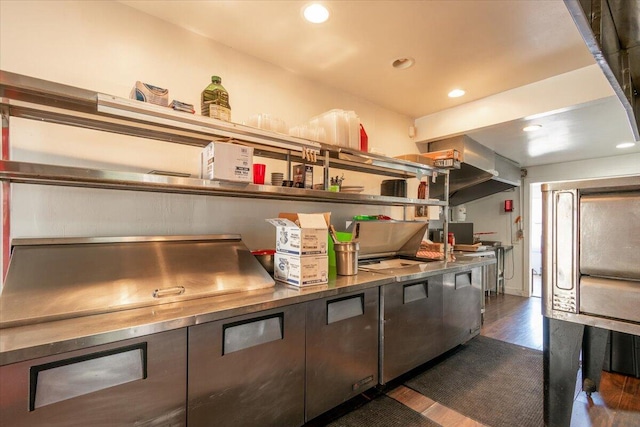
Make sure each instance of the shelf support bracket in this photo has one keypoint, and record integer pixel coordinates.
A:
(5, 194)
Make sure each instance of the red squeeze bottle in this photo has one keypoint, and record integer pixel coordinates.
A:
(364, 139)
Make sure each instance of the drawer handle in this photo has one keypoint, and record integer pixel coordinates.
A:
(166, 292)
(250, 333)
(78, 376)
(414, 292)
(345, 308)
(463, 280)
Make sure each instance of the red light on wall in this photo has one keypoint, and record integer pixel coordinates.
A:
(508, 205)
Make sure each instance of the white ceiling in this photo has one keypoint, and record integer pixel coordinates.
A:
(586, 131)
(485, 47)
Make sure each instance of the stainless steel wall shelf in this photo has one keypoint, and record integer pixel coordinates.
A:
(35, 173)
(31, 98)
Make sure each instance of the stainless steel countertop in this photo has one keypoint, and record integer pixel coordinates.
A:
(433, 268)
(38, 340)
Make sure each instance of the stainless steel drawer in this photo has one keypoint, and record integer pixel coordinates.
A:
(461, 295)
(248, 370)
(412, 326)
(140, 381)
(342, 349)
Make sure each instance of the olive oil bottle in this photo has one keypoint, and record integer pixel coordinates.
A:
(215, 100)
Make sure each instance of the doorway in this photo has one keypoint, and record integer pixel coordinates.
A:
(535, 249)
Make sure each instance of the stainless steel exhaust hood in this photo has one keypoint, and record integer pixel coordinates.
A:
(611, 30)
(482, 172)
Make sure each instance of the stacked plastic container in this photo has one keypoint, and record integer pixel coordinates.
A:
(337, 127)
(268, 122)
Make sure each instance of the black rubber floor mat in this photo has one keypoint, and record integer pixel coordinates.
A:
(496, 383)
(383, 411)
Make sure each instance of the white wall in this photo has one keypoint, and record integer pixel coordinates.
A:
(487, 215)
(106, 46)
(535, 227)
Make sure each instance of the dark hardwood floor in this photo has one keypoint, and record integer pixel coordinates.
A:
(513, 319)
(519, 320)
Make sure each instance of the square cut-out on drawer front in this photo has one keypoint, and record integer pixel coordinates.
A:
(345, 308)
(241, 335)
(463, 280)
(414, 292)
(65, 379)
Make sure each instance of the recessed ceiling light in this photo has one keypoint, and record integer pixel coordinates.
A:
(316, 13)
(402, 63)
(626, 145)
(532, 128)
(456, 93)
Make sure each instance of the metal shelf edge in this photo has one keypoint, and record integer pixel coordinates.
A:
(33, 173)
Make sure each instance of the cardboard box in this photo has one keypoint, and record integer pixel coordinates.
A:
(227, 162)
(301, 271)
(443, 154)
(149, 93)
(416, 158)
(446, 163)
(301, 234)
(303, 176)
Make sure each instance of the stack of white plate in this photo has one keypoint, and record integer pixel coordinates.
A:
(276, 178)
(351, 189)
